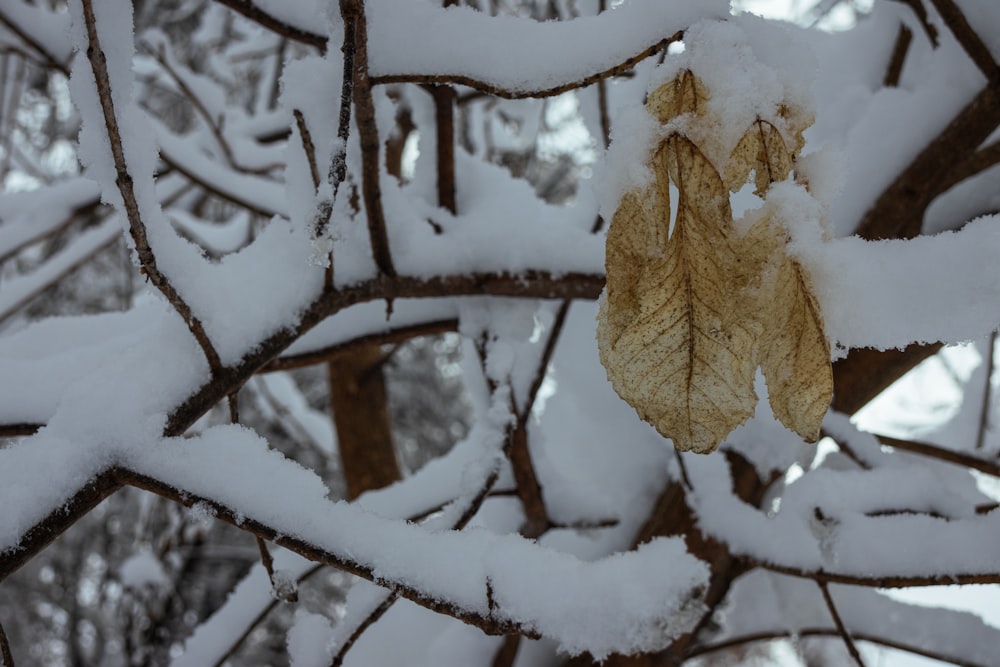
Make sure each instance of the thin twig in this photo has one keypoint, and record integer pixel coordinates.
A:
(899, 50)
(308, 146)
(977, 51)
(260, 619)
(942, 454)
(353, 12)
(125, 186)
(391, 336)
(48, 59)
(463, 520)
(984, 412)
(254, 13)
(9, 108)
(18, 430)
(496, 91)
(200, 108)
(6, 657)
(249, 10)
(444, 115)
(491, 624)
(848, 642)
(533, 284)
(287, 421)
(889, 581)
(742, 640)
(921, 13)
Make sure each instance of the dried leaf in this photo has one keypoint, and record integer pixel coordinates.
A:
(684, 94)
(762, 149)
(686, 320)
(673, 348)
(793, 351)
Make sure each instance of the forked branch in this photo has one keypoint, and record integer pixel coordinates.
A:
(137, 228)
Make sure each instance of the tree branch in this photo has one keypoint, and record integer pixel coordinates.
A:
(899, 50)
(484, 622)
(890, 581)
(899, 210)
(249, 10)
(395, 335)
(48, 59)
(977, 51)
(124, 181)
(841, 630)
(6, 657)
(741, 640)
(355, 22)
(942, 454)
(496, 91)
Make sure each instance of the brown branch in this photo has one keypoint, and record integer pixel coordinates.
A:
(353, 13)
(984, 410)
(865, 373)
(200, 108)
(18, 430)
(48, 59)
(308, 146)
(741, 640)
(248, 10)
(977, 51)
(366, 622)
(942, 454)
(463, 520)
(890, 581)
(844, 635)
(444, 115)
(84, 210)
(485, 622)
(981, 160)
(496, 91)
(507, 653)
(231, 196)
(921, 13)
(28, 297)
(529, 491)
(532, 284)
(898, 212)
(359, 406)
(49, 528)
(125, 186)
(902, 46)
(396, 335)
(6, 657)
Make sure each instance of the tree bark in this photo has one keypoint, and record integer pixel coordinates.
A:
(360, 408)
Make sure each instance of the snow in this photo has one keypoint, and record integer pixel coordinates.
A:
(26, 217)
(46, 28)
(306, 640)
(507, 51)
(143, 569)
(20, 289)
(457, 567)
(597, 463)
(783, 604)
(249, 598)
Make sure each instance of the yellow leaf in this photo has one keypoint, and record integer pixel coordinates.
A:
(688, 317)
(793, 351)
(683, 94)
(675, 348)
(762, 149)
